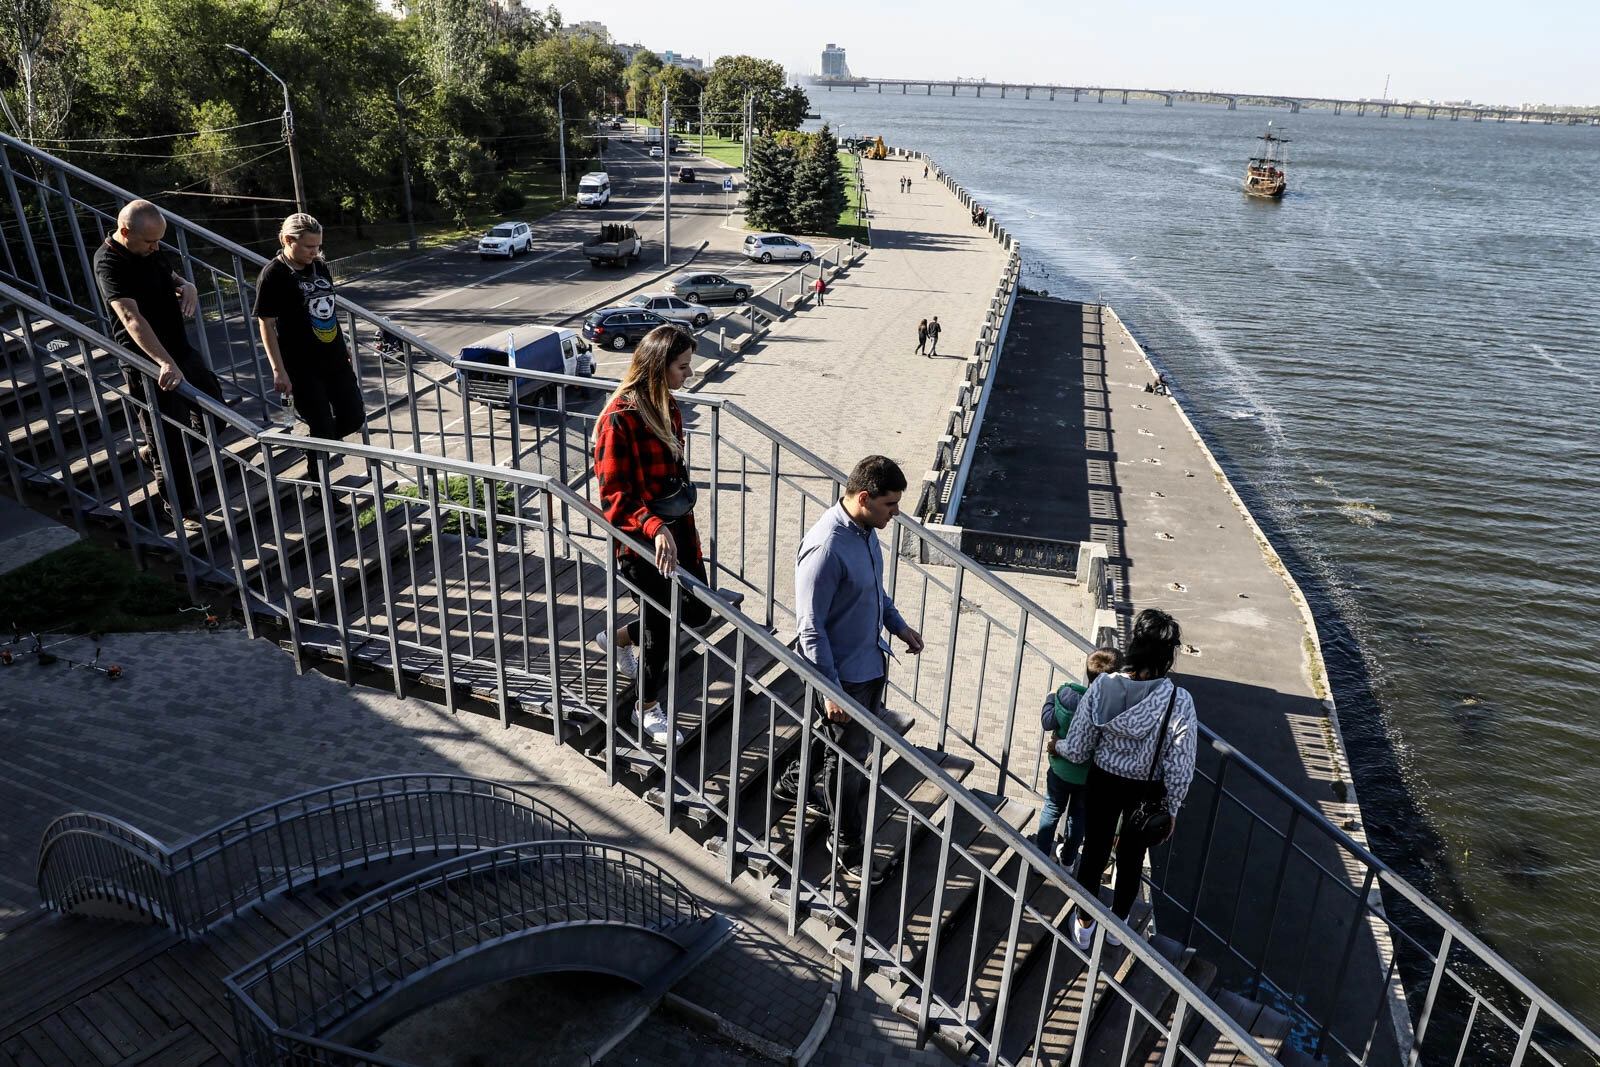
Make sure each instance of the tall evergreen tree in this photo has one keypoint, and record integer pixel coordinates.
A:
(769, 186)
(819, 194)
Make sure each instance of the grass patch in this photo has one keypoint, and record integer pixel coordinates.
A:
(722, 149)
(460, 492)
(848, 225)
(87, 589)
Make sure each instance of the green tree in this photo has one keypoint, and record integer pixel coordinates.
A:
(455, 36)
(731, 77)
(684, 89)
(769, 185)
(819, 194)
(640, 78)
(37, 47)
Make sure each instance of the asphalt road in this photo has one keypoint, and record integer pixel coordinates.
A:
(452, 298)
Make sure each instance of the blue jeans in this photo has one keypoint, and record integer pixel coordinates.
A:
(1061, 798)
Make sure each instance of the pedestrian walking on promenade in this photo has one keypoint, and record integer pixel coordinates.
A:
(1064, 781)
(933, 337)
(922, 336)
(819, 287)
(924, 171)
(299, 327)
(1137, 730)
(645, 491)
(149, 301)
(843, 612)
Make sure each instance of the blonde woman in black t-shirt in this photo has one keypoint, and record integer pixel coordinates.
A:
(300, 330)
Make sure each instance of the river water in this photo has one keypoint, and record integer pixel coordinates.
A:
(1398, 366)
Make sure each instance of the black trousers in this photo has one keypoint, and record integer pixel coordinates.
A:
(174, 480)
(328, 397)
(653, 632)
(1109, 798)
(849, 811)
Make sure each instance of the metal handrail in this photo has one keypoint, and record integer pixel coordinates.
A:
(248, 858)
(313, 983)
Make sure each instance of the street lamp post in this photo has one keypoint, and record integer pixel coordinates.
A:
(288, 130)
(405, 164)
(666, 179)
(561, 136)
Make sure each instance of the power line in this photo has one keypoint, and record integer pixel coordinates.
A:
(168, 155)
(155, 136)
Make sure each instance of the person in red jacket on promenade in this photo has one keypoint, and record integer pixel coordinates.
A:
(645, 491)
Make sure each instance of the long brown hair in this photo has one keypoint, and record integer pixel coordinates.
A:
(645, 384)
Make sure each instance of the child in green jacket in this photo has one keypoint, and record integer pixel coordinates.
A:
(1064, 783)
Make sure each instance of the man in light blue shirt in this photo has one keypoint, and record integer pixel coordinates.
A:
(843, 612)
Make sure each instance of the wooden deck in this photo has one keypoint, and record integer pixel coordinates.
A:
(80, 992)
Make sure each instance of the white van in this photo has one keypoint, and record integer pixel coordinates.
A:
(594, 189)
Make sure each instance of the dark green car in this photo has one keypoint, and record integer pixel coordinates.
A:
(704, 288)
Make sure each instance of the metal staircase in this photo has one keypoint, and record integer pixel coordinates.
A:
(456, 552)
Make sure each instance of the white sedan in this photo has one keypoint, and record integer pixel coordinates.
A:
(672, 308)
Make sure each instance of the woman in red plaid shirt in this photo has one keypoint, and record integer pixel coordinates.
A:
(639, 463)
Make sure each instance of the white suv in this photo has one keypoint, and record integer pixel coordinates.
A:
(768, 247)
(507, 239)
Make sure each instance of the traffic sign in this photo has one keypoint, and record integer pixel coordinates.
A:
(727, 185)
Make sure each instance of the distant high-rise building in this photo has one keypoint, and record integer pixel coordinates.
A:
(673, 59)
(833, 64)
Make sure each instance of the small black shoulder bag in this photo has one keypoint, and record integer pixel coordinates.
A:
(1151, 822)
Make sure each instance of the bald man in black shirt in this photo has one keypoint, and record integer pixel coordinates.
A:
(149, 301)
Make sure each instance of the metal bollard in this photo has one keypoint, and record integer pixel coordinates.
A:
(722, 341)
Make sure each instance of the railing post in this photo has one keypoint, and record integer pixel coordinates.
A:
(1440, 966)
(492, 511)
(801, 799)
(874, 771)
(925, 998)
(552, 645)
(950, 658)
(731, 844)
(1002, 1001)
(670, 705)
(712, 534)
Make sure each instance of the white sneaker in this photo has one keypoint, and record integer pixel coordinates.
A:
(655, 725)
(627, 658)
(1082, 936)
(1113, 940)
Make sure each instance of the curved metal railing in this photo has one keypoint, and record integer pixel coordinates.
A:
(92, 863)
(315, 983)
(96, 864)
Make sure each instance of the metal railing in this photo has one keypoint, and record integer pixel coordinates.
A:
(96, 864)
(329, 978)
(469, 554)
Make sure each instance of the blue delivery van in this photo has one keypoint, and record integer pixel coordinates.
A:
(528, 347)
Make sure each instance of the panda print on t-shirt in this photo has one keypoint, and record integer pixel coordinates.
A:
(317, 292)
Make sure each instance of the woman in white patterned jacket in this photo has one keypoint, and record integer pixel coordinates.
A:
(1118, 728)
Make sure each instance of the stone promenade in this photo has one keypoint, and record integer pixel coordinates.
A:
(844, 380)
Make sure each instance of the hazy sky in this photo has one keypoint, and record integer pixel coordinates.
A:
(1486, 52)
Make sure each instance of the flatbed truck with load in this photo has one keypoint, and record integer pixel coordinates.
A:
(615, 245)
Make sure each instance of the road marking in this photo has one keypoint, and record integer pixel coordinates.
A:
(574, 274)
(492, 277)
(503, 303)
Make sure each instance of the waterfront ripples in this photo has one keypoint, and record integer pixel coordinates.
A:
(1398, 365)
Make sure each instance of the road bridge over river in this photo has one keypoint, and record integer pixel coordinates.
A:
(1099, 93)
